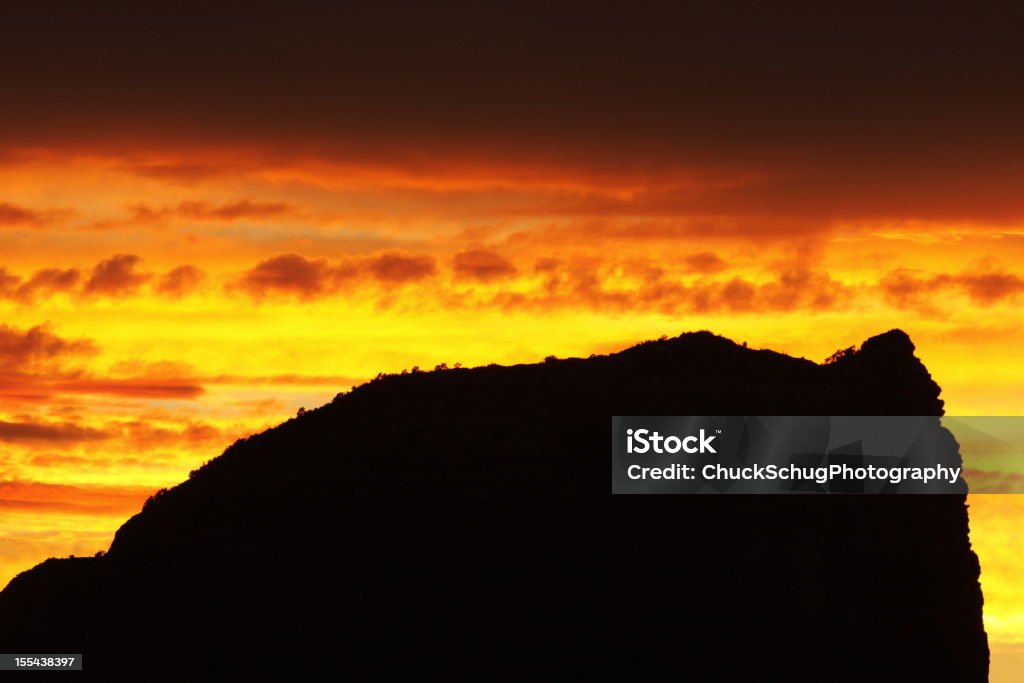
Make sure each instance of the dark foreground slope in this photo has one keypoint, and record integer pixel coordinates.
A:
(461, 521)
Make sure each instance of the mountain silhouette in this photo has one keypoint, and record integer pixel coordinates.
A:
(460, 522)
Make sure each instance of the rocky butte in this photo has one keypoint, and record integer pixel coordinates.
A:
(460, 522)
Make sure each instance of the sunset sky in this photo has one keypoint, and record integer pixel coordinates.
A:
(209, 218)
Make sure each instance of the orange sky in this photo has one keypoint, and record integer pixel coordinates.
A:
(158, 305)
(213, 215)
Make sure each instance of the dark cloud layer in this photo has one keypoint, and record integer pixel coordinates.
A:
(843, 108)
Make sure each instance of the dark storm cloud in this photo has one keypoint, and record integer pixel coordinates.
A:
(848, 111)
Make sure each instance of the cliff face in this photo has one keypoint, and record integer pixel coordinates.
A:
(462, 519)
